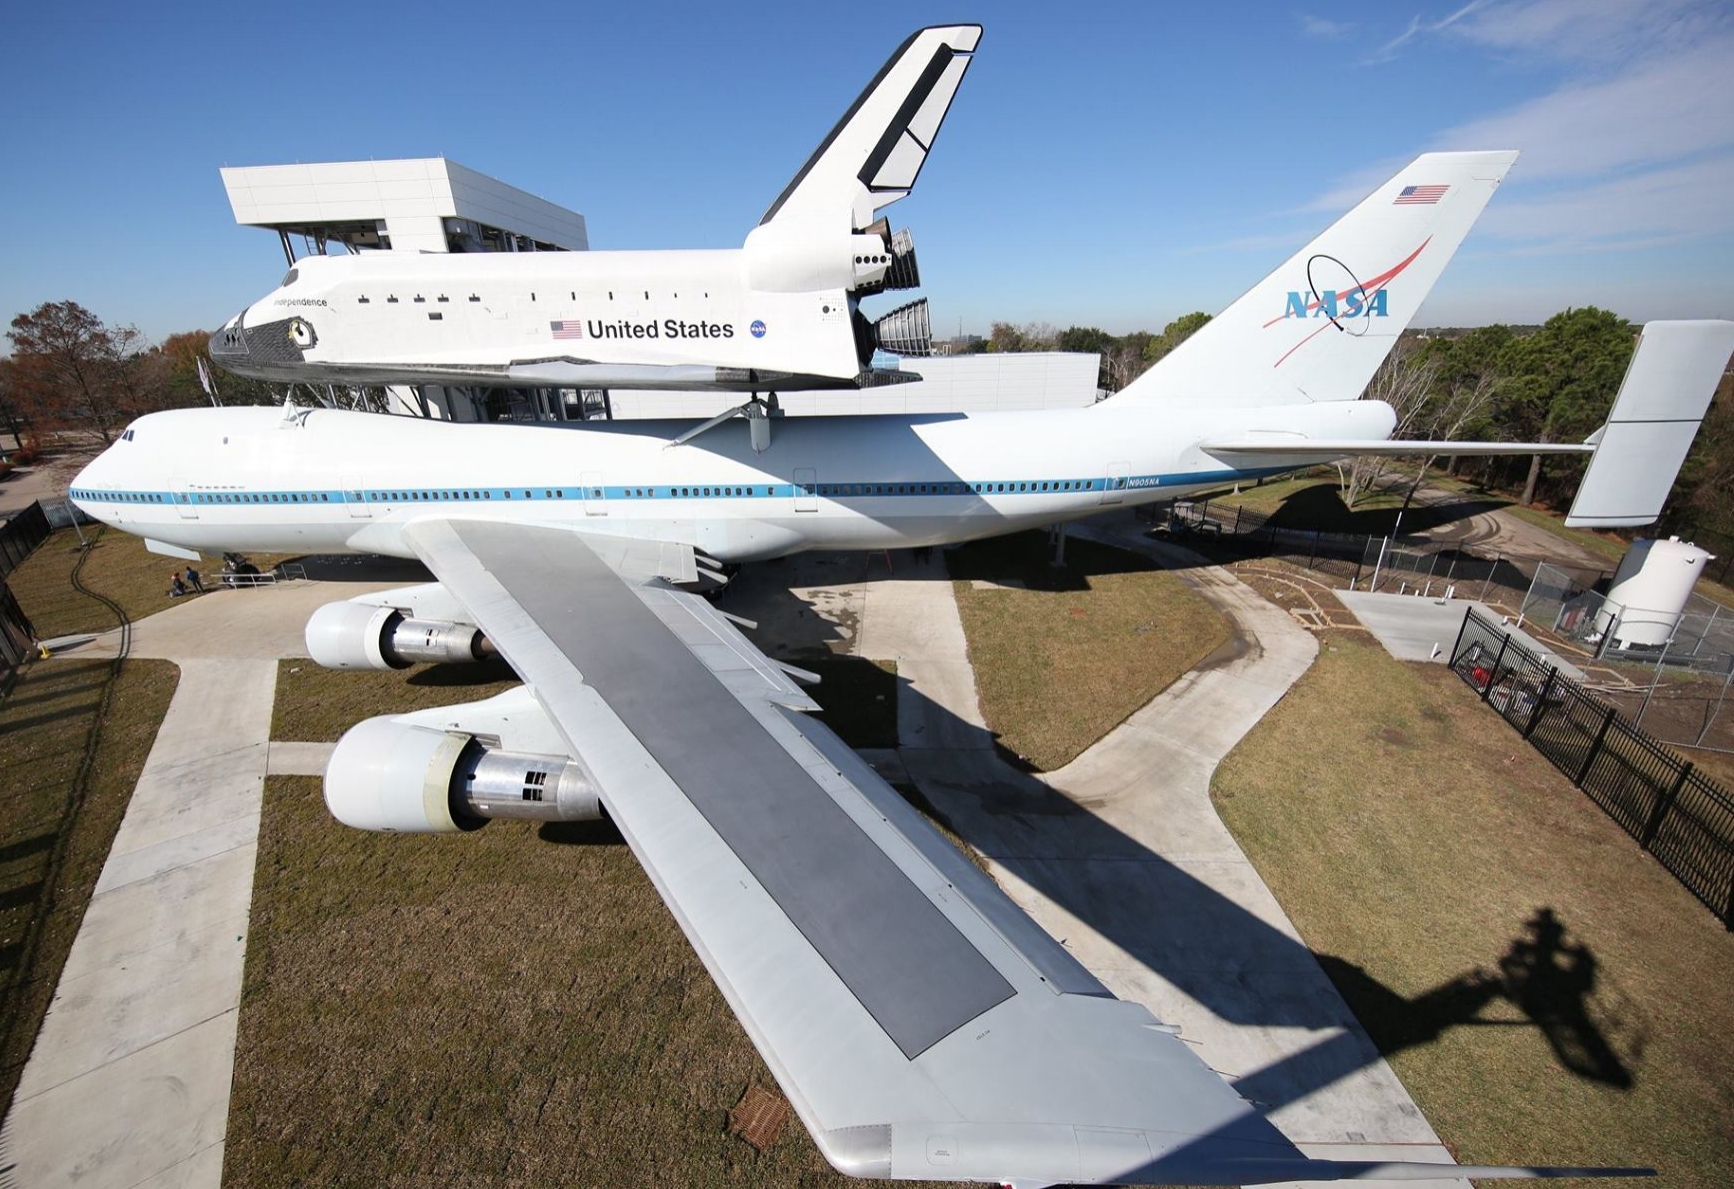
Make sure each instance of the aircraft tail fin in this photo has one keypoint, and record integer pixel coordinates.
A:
(1318, 327)
(1661, 403)
(873, 155)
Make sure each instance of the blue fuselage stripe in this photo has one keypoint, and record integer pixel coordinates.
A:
(839, 492)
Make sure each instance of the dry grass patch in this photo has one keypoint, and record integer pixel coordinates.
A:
(67, 771)
(1546, 992)
(511, 1007)
(119, 566)
(1065, 658)
(316, 705)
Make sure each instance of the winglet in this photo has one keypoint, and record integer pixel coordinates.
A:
(873, 155)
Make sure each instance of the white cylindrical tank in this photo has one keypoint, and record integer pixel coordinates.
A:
(1650, 590)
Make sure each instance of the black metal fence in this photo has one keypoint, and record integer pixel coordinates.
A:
(1683, 818)
(20, 535)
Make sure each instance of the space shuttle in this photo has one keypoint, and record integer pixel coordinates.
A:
(781, 312)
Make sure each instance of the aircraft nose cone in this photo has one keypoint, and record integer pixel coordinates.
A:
(269, 351)
(229, 342)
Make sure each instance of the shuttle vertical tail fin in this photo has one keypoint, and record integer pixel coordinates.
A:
(1318, 327)
(873, 155)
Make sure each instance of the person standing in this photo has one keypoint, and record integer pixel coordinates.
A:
(192, 578)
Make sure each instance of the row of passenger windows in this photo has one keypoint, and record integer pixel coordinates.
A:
(559, 493)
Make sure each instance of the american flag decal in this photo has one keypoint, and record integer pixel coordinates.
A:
(1420, 195)
(571, 328)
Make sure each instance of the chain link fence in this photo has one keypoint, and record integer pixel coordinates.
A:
(1356, 561)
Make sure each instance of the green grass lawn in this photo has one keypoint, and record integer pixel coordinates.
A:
(67, 768)
(316, 705)
(119, 566)
(510, 1007)
(1063, 661)
(74, 735)
(1415, 840)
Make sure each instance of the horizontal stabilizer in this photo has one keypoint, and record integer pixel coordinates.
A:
(1298, 447)
(1673, 374)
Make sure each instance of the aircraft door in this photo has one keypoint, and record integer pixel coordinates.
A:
(806, 489)
(595, 494)
(356, 500)
(1114, 489)
(183, 500)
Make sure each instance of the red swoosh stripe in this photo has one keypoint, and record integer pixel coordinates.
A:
(1377, 282)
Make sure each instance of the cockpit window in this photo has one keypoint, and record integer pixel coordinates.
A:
(290, 278)
(127, 436)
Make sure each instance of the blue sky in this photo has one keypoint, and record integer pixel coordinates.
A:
(1104, 164)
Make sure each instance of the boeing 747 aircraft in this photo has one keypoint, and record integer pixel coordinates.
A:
(780, 313)
(919, 1023)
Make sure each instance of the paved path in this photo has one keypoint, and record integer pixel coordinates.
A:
(1417, 629)
(128, 1084)
(1137, 875)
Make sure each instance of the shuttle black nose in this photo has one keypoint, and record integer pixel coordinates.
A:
(231, 341)
(271, 351)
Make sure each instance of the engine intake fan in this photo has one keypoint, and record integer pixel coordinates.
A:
(906, 330)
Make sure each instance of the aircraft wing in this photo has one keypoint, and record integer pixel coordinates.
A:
(919, 1023)
(1299, 447)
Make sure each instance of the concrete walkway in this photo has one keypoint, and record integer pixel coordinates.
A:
(1122, 857)
(128, 1083)
(1418, 629)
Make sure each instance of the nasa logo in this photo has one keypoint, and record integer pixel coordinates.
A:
(1326, 305)
(758, 329)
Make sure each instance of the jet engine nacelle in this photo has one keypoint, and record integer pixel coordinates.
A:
(369, 636)
(398, 777)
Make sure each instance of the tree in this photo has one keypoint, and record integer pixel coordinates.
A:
(11, 411)
(70, 368)
(1085, 339)
(1175, 333)
(1030, 336)
(179, 357)
(1563, 381)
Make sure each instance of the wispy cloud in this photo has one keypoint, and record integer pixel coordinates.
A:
(1661, 109)
(1644, 209)
(1634, 149)
(1325, 30)
(1419, 27)
(1593, 31)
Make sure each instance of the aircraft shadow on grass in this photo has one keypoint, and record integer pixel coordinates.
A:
(1188, 933)
(1321, 507)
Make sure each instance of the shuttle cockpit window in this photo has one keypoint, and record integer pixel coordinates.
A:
(126, 436)
(289, 278)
